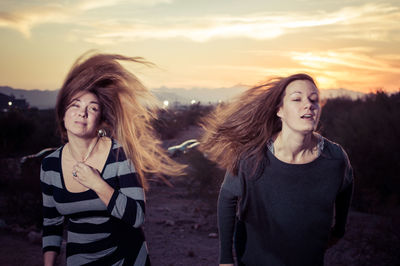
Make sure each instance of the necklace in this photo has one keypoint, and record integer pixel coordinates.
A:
(87, 155)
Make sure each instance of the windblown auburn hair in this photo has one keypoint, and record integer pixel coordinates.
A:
(242, 128)
(127, 108)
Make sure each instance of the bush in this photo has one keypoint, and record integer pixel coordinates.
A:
(203, 178)
(369, 130)
(172, 121)
(27, 131)
(22, 195)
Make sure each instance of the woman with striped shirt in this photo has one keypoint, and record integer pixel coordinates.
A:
(96, 183)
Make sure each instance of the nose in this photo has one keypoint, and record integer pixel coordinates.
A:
(310, 105)
(83, 112)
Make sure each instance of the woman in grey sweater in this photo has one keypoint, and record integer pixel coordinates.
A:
(287, 190)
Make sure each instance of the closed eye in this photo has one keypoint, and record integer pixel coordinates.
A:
(93, 108)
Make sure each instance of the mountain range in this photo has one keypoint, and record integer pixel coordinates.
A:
(46, 99)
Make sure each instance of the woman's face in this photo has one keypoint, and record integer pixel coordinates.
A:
(300, 110)
(82, 116)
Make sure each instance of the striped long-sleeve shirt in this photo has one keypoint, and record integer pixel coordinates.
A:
(97, 234)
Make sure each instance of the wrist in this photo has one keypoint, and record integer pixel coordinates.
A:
(100, 186)
(104, 191)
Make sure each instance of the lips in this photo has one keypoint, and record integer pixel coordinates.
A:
(307, 116)
(80, 123)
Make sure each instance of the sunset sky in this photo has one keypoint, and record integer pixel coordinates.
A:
(205, 44)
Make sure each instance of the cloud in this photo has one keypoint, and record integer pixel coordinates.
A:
(338, 68)
(351, 60)
(375, 23)
(367, 22)
(197, 29)
(359, 68)
(24, 16)
(24, 20)
(94, 4)
(371, 21)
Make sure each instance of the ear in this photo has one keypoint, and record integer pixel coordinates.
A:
(279, 112)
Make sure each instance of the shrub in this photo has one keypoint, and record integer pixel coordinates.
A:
(368, 129)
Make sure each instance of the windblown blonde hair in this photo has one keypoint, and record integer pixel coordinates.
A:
(127, 108)
(242, 128)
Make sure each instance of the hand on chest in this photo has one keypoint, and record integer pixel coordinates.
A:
(78, 176)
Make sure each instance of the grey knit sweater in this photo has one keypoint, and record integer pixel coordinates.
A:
(287, 211)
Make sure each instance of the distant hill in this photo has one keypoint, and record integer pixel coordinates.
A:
(35, 98)
(204, 96)
(47, 99)
(335, 93)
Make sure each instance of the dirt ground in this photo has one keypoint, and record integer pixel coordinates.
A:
(180, 230)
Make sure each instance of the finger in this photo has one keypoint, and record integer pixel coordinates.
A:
(80, 167)
(75, 170)
(87, 168)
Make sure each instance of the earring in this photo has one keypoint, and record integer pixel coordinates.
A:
(101, 132)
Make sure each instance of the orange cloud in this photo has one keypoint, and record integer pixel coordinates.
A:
(348, 22)
(339, 68)
(23, 17)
